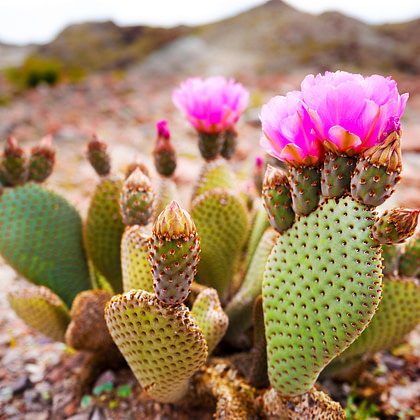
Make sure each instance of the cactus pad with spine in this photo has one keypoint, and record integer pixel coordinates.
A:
(216, 173)
(41, 309)
(103, 230)
(306, 189)
(210, 317)
(41, 238)
(174, 254)
(409, 264)
(336, 174)
(163, 344)
(136, 268)
(240, 307)
(278, 199)
(166, 191)
(222, 224)
(321, 287)
(137, 199)
(397, 314)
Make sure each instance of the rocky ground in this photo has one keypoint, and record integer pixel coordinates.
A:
(37, 377)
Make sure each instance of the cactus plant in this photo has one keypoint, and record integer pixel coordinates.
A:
(318, 280)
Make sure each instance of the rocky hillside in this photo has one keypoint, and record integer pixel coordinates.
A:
(270, 38)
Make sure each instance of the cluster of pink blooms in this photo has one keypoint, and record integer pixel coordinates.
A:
(341, 112)
(212, 105)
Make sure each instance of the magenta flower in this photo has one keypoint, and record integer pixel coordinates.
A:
(350, 112)
(288, 132)
(162, 129)
(211, 105)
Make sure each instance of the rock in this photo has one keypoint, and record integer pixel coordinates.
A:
(20, 384)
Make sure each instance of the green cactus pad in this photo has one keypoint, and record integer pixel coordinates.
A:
(410, 259)
(210, 317)
(163, 344)
(241, 306)
(372, 184)
(278, 199)
(336, 175)
(390, 259)
(137, 199)
(258, 374)
(166, 192)
(41, 309)
(41, 238)
(260, 224)
(222, 224)
(136, 268)
(216, 173)
(174, 254)
(397, 314)
(321, 287)
(87, 329)
(305, 186)
(104, 229)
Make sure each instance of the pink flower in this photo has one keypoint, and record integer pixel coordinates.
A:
(288, 132)
(351, 112)
(211, 105)
(162, 129)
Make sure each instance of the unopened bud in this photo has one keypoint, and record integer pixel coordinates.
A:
(164, 153)
(41, 160)
(174, 222)
(395, 226)
(14, 169)
(98, 156)
(137, 199)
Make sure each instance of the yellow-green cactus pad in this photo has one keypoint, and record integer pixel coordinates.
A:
(41, 309)
(240, 308)
(166, 192)
(214, 173)
(136, 268)
(41, 238)
(104, 229)
(397, 314)
(321, 287)
(222, 224)
(163, 344)
(210, 316)
(260, 224)
(87, 329)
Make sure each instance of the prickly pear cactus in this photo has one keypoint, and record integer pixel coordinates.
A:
(210, 316)
(42, 310)
(136, 268)
(409, 263)
(222, 224)
(240, 307)
(174, 254)
(397, 314)
(321, 287)
(41, 238)
(215, 173)
(163, 344)
(104, 228)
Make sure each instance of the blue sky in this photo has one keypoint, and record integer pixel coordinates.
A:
(25, 21)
